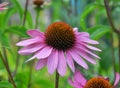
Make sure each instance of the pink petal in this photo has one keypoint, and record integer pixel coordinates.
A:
(83, 34)
(70, 62)
(3, 9)
(80, 47)
(117, 79)
(52, 62)
(61, 63)
(29, 41)
(41, 63)
(44, 53)
(78, 59)
(75, 29)
(92, 47)
(77, 85)
(86, 57)
(3, 4)
(78, 77)
(34, 33)
(31, 48)
(70, 82)
(86, 40)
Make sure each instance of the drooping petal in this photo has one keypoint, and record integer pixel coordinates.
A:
(74, 84)
(61, 63)
(86, 40)
(70, 81)
(78, 59)
(70, 62)
(35, 33)
(75, 29)
(31, 48)
(41, 63)
(78, 77)
(117, 79)
(86, 57)
(3, 9)
(52, 62)
(3, 4)
(80, 47)
(91, 47)
(29, 41)
(44, 53)
(77, 85)
(82, 34)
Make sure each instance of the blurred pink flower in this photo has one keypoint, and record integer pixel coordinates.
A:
(2, 6)
(58, 46)
(79, 81)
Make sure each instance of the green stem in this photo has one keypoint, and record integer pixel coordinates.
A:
(8, 70)
(32, 63)
(113, 55)
(107, 7)
(37, 17)
(119, 51)
(109, 17)
(23, 24)
(57, 80)
(25, 12)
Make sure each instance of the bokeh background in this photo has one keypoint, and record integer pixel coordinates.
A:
(88, 15)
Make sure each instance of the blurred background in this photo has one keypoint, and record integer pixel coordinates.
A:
(88, 15)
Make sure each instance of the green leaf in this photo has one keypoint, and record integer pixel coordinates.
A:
(8, 14)
(19, 30)
(5, 84)
(106, 56)
(98, 31)
(87, 10)
(18, 7)
(22, 80)
(4, 40)
(2, 16)
(29, 20)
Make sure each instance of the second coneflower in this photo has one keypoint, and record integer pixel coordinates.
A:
(79, 81)
(2, 6)
(58, 47)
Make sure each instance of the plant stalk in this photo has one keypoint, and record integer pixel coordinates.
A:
(57, 80)
(23, 24)
(37, 17)
(25, 12)
(119, 51)
(107, 7)
(113, 54)
(8, 70)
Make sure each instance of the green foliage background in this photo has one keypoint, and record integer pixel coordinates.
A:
(88, 15)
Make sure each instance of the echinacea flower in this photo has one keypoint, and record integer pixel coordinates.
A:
(2, 6)
(79, 81)
(58, 47)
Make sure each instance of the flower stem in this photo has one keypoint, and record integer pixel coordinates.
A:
(109, 17)
(25, 12)
(32, 63)
(8, 70)
(23, 24)
(112, 26)
(113, 55)
(37, 17)
(57, 80)
(119, 52)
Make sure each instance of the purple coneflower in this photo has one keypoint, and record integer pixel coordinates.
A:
(2, 6)
(79, 81)
(58, 47)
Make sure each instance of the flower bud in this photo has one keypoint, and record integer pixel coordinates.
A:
(38, 2)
